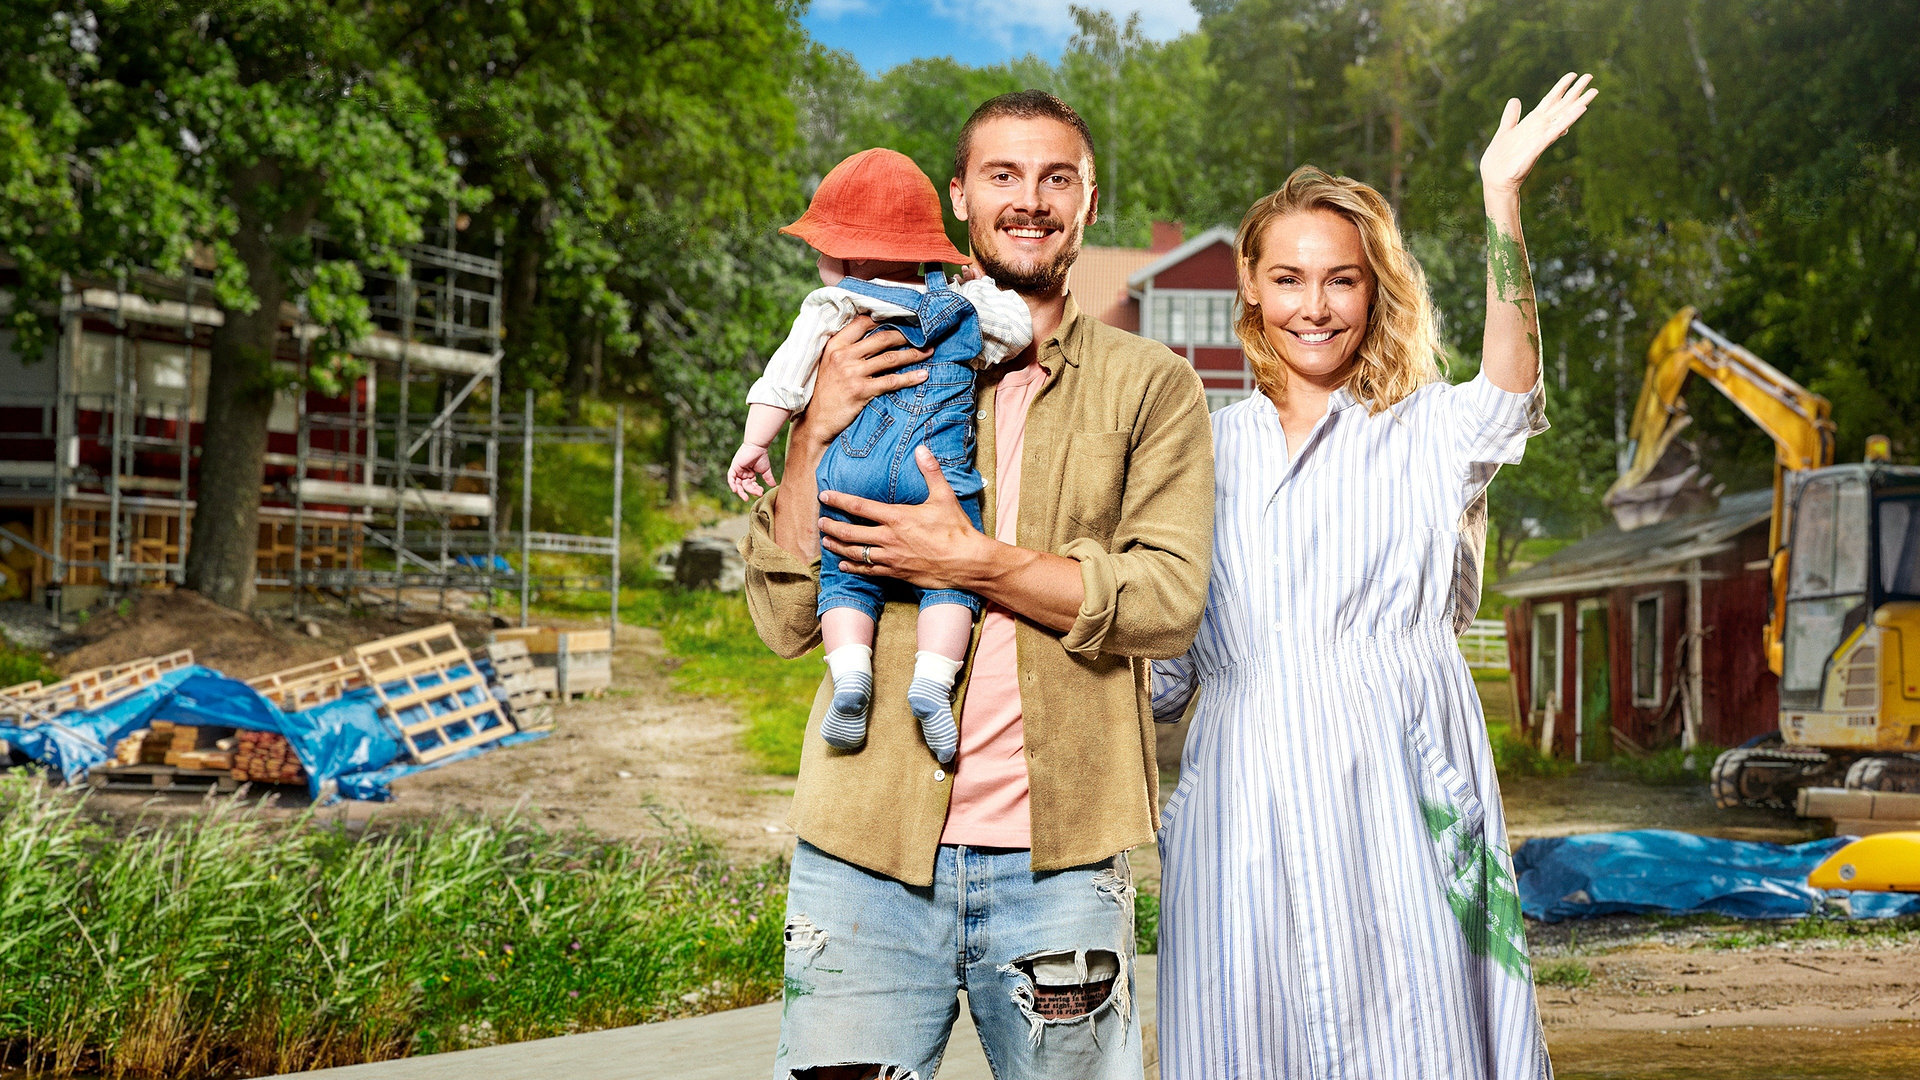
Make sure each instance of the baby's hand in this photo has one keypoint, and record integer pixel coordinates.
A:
(749, 461)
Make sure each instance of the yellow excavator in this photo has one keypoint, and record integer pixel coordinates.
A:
(1843, 629)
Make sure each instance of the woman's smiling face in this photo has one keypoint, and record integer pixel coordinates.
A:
(1312, 286)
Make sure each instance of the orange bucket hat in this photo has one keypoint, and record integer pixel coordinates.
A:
(877, 204)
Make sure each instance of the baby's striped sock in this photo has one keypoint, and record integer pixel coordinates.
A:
(845, 724)
(931, 699)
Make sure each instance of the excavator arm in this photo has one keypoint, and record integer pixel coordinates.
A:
(1798, 420)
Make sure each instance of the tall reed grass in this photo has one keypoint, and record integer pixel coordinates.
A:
(235, 945)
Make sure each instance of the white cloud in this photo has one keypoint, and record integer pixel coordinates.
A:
(1039, 25)
(835, 9)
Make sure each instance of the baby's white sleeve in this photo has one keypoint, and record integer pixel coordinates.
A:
(1006, 326)
(787, 381)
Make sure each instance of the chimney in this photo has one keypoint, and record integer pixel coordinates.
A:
(1167, 235)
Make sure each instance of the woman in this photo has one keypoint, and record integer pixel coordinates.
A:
(1338, 899)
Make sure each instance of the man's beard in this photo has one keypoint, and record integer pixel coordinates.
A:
(1047, 277)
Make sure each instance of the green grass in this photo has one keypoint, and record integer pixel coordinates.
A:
(1671, 767)
(1570, 974)
(1146, 924)
(233, 945)
(1815, 928)
(721, 655)
(1514, 756)
(18, 666)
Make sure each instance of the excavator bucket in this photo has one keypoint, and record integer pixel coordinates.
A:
(1663, 479)
(1888, 862)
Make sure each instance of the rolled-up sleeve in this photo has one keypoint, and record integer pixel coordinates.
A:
(1145, 591)
(782, 591)
(1488, 427)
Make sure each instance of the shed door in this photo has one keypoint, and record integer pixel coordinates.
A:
(1596, 699)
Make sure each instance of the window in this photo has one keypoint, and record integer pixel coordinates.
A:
(1192, 318)
(1546, 657)
(1900, 548)
(1646, 649)
(1828, 555)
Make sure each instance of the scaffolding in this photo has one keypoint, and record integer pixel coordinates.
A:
(399, 504)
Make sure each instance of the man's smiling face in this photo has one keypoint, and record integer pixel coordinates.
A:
(1027, 196)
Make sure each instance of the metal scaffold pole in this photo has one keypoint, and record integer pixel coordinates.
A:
(619, 468)
(303, 440)
(526, 508)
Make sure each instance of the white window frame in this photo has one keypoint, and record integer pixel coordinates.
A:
(1558, 610)
(1150, 321)
(1659, 648)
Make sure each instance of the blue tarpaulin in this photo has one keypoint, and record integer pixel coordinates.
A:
(345, 745)
(1659, 872)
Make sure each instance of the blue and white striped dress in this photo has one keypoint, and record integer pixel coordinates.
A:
(1337, 896)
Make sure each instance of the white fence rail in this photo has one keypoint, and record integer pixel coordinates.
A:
(1485, 644)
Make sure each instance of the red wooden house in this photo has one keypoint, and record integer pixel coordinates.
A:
(1632, 638)
(1178, 291)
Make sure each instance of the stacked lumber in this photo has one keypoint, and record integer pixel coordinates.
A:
(529, 690)
(31, 703)
(1862, 813)
(581, 659)
(265, 757)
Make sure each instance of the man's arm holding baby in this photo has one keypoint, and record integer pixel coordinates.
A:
(933, 545)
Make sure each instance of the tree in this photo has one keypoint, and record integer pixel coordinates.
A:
(239, 127)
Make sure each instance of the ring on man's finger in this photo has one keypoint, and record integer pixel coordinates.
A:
(866, 554)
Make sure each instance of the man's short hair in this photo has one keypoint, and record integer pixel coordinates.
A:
(1020, 105)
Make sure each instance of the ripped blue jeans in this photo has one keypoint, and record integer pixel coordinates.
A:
(874, 967)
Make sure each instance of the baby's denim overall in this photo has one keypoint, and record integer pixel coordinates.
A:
(873, 458)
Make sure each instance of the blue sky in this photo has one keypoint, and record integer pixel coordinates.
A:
(883, 33)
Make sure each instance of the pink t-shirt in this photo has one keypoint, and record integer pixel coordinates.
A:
(989, 805)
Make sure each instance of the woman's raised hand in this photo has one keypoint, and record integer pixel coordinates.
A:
(1520, 141)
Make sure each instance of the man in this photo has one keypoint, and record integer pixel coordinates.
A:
(1006, 877)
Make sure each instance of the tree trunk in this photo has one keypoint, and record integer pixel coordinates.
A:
(240, 391)
(583, 369)
(676, 460)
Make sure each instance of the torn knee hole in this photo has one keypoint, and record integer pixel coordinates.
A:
(1067, 985)
(855, 1072)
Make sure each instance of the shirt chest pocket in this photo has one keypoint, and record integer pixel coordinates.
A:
(1093, 482)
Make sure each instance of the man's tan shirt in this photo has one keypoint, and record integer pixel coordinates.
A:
(1117, 473)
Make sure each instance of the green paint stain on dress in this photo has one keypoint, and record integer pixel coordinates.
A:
(1482, 893)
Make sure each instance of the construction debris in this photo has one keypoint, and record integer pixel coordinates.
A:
(349, 723)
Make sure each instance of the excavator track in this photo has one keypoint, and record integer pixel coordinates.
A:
(1768, 776)
(1892, 774)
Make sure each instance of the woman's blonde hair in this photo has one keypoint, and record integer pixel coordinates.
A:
(1401, 350)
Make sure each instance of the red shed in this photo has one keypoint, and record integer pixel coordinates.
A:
(1647, 638)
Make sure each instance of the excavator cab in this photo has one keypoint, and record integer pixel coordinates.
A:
(1850, 639)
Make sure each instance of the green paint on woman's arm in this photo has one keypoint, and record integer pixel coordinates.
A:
(1507, 266)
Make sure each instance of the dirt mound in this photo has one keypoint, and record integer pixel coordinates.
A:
(242, 646)
(163, 622)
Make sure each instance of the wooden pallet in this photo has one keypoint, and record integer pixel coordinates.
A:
(583, 658)
(310, 685)
(161, 778)
(530, 690)
(31, 703)
(429, 688)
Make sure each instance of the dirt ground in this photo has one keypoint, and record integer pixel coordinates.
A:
(1660, 1003)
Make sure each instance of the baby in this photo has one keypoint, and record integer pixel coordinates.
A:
(875, 220)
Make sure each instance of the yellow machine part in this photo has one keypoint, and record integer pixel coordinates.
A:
(1889, 862)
